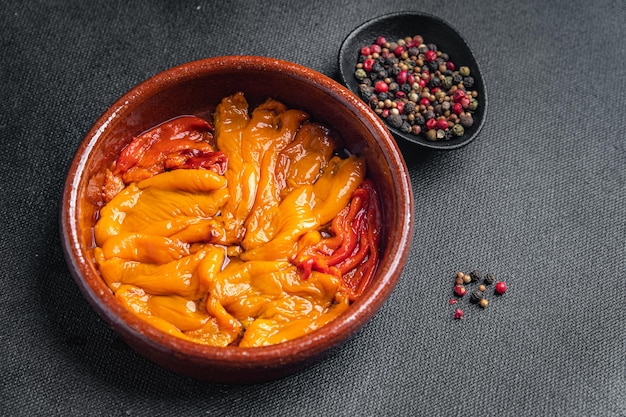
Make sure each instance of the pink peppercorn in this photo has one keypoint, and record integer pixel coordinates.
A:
(431, 124)
(381, 87)
(368, 64)
(402, 76)
(442, 123)
(458, 313)
(375, 49)
(459, 289)
(450, 65)
(465, 102)
(500, 287)
(458, 95)
(410, 79)
(398, 50)
(421, 82)
(365, 51)
(380, 41)
(430, 55)
(425, 101)
(457, 108)
(400, 105)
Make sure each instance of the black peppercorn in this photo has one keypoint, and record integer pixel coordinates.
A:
(394, 120)
(429, 114)
(476, 296)
(468, 82)
(489, 279)
(476, 275)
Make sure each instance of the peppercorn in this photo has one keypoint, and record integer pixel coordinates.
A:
(473, 104)
(483, 303)
(466, 119)
(476, 296)
(464, 71)
(489, 279)
(482, 287)
(467, 278)
(394, 120)
(431, 135)
(476, 275)
(458, 130)
(458, 314)
(360, 74)
(468, 82)
(500, 287)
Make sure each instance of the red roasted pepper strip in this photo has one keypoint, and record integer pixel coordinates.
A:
(352, 250)
(197, 159)
(152, 147)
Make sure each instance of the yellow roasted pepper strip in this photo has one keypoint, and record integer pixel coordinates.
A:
(175, 277)
(304, 159)
(231, 117)
(308, 207)
(267, 140)
(185, 180)
(270, 193)
(144, 248)
(113, 214)
(173, 315)
(156, 206)
(303, 307)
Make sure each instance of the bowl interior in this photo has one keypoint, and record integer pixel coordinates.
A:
(196, 88)
(433, 30)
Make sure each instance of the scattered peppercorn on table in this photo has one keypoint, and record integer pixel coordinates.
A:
(513, 300)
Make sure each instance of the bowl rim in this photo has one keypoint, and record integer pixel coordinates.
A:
(418, 140)
(301, 348)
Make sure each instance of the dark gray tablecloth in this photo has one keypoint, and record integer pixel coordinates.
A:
(539, 199)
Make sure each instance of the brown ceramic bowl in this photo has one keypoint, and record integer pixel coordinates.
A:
(196, 88)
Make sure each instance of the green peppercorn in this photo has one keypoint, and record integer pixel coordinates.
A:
(473, 104)
(464, 71)
(458, 130)
(431, 135)
(360, 74)
(447, 82)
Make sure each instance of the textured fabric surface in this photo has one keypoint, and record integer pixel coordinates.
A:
(539, 199)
